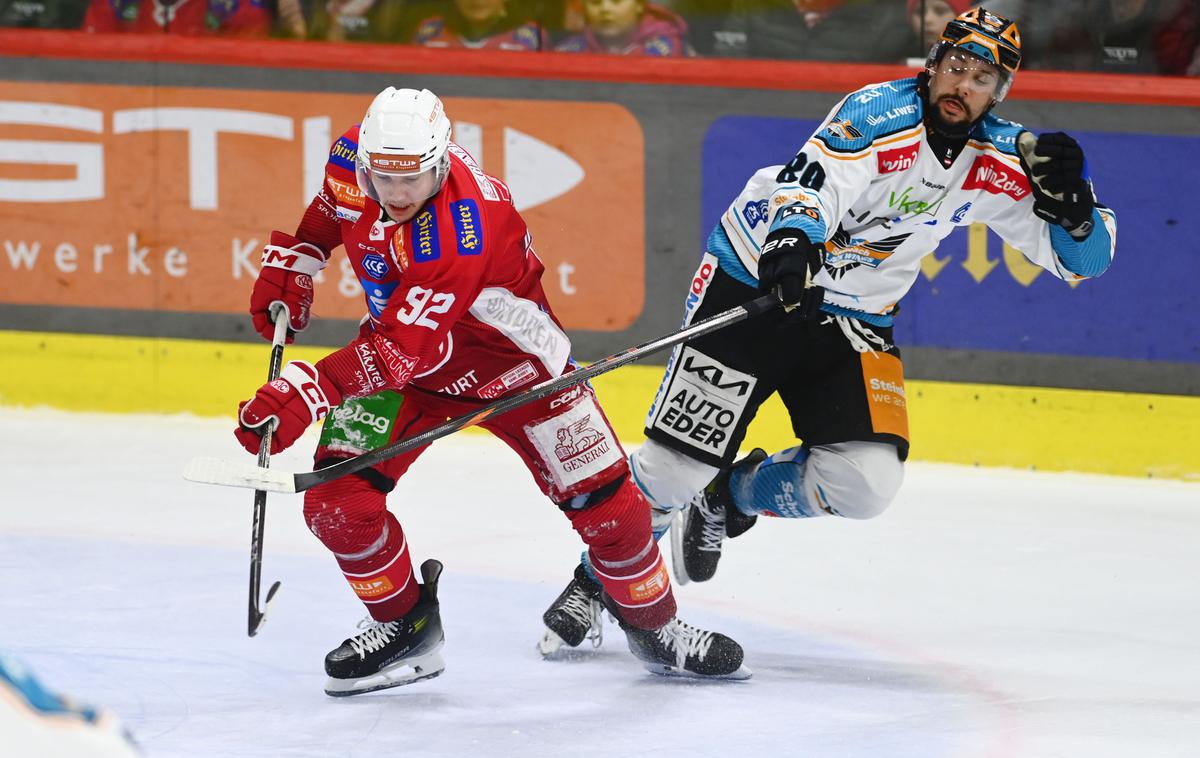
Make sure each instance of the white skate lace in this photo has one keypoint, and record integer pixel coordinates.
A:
(712, 527)
(585, 609)
(377, 634)
(859, 336)
(685, 641)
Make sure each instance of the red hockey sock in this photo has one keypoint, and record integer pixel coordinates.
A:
(349, 516)
(625, 557)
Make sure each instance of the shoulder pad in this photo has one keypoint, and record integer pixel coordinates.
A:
(344, 150)
(870, 113)
(998, 132)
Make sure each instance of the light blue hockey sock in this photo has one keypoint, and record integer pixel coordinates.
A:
(775, 486)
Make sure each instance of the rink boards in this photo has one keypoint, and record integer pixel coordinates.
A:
(138, 182)
(1133, 434)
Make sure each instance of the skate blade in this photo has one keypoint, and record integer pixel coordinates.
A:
(397, 675)
(676, 530)
(661, 669)
(551, 644)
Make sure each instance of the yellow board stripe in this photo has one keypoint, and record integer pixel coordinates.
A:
(988, 425)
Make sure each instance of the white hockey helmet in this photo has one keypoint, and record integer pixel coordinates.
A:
(404, 133)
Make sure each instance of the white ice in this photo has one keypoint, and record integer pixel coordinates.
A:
(987, 614)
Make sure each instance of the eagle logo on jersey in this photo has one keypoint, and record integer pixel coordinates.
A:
(843, 130)
(844, 253)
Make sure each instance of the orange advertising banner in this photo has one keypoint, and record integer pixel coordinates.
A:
(160, 198)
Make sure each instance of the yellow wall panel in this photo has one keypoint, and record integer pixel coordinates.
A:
(988, 425)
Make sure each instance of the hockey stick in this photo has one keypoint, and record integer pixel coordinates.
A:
(256, 617)
(232, 474)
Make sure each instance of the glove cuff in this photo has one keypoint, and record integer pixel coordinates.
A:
(316, 392)
(286, 252)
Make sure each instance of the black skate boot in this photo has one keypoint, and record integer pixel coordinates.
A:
(573, 616)
(680, 649)
(392, 653)
(696, 539)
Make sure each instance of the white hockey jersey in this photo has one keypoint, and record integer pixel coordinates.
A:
(869, 186)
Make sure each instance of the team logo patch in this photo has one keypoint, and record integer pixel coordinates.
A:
(375, 265)
(703, 402)
(575, 444)
(467, 224)
(899, 159)
(426, 246)
(756, 212)
(843, 129)
(996, 177)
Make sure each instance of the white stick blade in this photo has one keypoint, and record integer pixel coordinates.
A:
(231, 474)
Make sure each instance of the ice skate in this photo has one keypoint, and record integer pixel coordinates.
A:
(574, 616)
(696, 547)
(680, 649)
(392, 653)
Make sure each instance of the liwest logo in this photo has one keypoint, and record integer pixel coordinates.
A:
(425, 238)
(467, 223)
(992, 175)
(903, 110)
(899, 159)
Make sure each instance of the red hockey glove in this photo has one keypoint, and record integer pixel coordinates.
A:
(786, 269)
(289, 404)
(288, 266)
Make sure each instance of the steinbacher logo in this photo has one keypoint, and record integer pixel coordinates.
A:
(162, 198)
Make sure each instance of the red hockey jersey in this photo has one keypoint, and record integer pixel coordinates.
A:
(455, 297)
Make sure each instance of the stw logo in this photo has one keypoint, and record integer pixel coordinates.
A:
(899, 159)
(998, 178)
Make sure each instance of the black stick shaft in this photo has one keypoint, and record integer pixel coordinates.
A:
(255, 616)
(763, 304)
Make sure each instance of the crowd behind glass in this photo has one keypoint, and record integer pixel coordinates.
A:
(1132, 36)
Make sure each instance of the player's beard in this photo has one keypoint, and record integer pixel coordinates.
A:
(958, 128)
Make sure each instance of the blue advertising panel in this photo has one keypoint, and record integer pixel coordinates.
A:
(974, 294)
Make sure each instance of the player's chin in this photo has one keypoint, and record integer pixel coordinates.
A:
(402, 213)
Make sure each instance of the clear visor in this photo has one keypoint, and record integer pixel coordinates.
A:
(968, 70)
(398, 189)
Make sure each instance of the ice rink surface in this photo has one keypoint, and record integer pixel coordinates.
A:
(988, 613)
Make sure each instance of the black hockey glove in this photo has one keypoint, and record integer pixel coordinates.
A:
(786, 269)
(1061, 195)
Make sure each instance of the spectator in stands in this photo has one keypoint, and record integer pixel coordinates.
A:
(359, 20)
(290, 19)
(1126, 36)
(830, 30)
(629, 27)
(44, 14)
(246, 18)
(927, 19)
(711, 26)
(480, 24)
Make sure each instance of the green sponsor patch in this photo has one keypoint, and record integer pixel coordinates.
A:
(362, 424)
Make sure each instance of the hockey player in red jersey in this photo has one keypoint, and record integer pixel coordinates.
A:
(456, 317)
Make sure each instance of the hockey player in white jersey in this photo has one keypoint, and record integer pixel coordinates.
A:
(838, 234)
